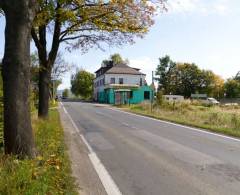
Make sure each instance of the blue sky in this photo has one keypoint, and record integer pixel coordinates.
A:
(206, 32)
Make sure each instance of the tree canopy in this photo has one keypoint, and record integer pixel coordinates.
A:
(82, 84)
(186, 79)
(114, 59)
(84, 25)
(232, 88)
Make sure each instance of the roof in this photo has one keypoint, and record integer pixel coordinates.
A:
(123, 69)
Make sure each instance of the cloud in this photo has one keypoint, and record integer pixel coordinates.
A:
(178, 6)
(146, 64)
(202, 7)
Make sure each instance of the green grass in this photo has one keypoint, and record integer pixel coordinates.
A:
(49, 173)
(1, 124)
(225, 120)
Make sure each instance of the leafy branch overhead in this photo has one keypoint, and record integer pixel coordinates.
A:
(85, 24)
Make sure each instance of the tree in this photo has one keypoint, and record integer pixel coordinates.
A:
(186, 79)
(114, 59)
(60, 67)
(237, 77)
(165, 72)
(218, 87)
(18, 134)
(86, 24)
(232, 88)
(65, 93)
(82, 84)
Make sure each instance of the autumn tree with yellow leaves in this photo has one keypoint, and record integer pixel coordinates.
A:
(84, 24)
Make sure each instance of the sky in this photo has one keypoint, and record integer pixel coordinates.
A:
(205, 32)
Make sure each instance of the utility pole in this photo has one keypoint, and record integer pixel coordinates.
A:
(152, 91)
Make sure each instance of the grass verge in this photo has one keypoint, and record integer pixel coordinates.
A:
(49, 173)
(216, 119)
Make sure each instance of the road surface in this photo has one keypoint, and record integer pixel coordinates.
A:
(145, 156)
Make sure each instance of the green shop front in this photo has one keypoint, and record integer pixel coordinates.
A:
(125, 94)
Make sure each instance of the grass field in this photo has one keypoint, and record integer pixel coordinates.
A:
(221, 119)
(49, 173)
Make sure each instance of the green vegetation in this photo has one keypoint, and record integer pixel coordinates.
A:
(49, 173)
(220, 119)
(232, 88)
(82, 84)
(65, 93)
(187, 78)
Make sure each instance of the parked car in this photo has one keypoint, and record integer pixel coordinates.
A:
(211, 101)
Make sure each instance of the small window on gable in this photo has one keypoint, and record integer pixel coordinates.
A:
(112, 81)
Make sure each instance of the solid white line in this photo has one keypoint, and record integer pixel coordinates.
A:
(178, 125)
(86, 143)
(106, 179)
(64, 110)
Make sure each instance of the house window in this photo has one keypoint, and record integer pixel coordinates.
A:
(112, 81)
(131, 94)
(141, 83)
(146, 95)
(120, 80)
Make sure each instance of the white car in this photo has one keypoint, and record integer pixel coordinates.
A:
(211, 101)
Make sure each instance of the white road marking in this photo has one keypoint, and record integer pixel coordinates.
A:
(106, 179)
(178, 125)
(125, 124)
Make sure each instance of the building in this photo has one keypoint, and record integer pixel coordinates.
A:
(120, 84)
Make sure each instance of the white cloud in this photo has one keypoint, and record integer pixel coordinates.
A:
(220, 7)
(146, 64)
(178, 6)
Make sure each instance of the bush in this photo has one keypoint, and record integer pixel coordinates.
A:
(235, 120)
(159, 98)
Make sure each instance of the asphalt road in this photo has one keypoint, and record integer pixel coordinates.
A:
(145, 156)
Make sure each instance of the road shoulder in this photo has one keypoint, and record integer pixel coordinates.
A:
(82, 169)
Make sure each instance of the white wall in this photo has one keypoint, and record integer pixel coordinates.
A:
(127, 78)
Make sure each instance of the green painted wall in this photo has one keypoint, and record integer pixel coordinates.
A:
(108, 96)
(138, 95)
(102, 97)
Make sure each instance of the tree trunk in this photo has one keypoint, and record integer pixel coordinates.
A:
(44, 86)
(18, 134)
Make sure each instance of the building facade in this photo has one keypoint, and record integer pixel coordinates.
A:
(121, 84)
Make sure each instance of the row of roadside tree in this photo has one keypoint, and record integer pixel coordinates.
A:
(187, 78)
(51, 24)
